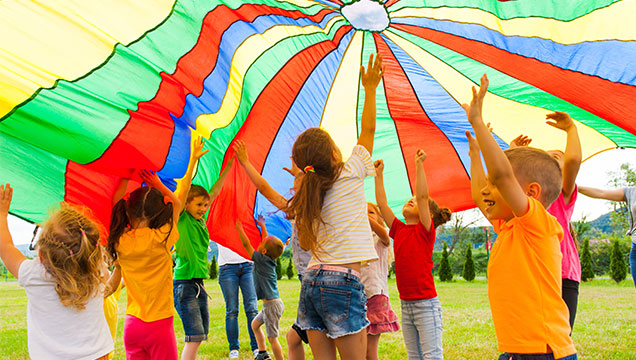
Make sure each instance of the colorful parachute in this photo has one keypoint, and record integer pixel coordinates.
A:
(91, 91)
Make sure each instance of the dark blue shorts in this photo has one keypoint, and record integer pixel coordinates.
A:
(191, 302)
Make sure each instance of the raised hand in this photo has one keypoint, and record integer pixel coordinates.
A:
(473, 146)
(559, 120)
(241, 152)
(379, 167)
(197, 150)
(294, 169)
(372, 75)
(474, 109)
(420, 156)
(150, 178)
(6, 193)
(521, 140)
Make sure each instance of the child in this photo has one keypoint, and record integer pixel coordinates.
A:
(142, 232)
(374, 277)
(295, 336)
(330, 213)
(64, 287)
(190, 297)
(524, 269)
(413, 247)
(266, 289)
(562, 208)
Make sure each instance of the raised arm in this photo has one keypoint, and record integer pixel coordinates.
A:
(380, 230)
(370, 80)
(244, 240)
(10, 255)
(421, 190)
(612, 195)
(197, 153)
(259, 181)
(477, 175)
(573, 155)
(261, 223)
(218, 185)
(380, 194)
(152, 179)
(113, 281)
(500, 171)
(120, 191)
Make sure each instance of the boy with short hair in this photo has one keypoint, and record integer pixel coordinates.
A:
(265, 282)
(524, 271)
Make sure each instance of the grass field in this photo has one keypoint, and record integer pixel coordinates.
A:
(605, 327)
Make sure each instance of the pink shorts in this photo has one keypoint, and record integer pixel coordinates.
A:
(149, 340)
(381, 316)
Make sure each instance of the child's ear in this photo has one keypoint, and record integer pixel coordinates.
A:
(533, 190)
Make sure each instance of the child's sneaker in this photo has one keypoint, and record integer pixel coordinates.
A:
(254, 353)
(234, 354)
(262, 356)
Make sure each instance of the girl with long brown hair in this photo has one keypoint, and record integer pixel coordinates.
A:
(330, 211)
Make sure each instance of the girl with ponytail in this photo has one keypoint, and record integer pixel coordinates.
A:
(142, 232)
(64, 285)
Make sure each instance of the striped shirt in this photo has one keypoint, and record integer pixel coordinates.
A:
(345, 236)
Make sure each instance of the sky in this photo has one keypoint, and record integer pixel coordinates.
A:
(593, 172)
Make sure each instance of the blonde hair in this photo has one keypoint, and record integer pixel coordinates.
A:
(69, 251)
(535, 165)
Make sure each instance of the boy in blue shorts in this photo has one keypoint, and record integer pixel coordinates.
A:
(265, 282)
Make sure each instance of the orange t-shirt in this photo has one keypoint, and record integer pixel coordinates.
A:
(146, 266)
(524, 285)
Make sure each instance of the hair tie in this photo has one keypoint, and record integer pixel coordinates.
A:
(309, 168)
(70, 252)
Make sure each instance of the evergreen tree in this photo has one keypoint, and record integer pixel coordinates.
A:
(213, 268)
(445, 272)
(290, 269)
(279, 269)
(587, 270)
(618, 268)
(468, 272)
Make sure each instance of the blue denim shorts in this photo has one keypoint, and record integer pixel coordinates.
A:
(332, 302)
(191, 302)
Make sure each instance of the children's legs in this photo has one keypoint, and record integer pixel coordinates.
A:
(409, 332)
(352, 346)
(250, 303)
(276, 348)
(150, 340)
(322, 347)
(372, 346)
(190, 350)
(295, 345)
(570, 294)
(427, 318)
(258, 333)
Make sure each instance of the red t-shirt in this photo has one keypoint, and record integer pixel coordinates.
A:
(413, 247)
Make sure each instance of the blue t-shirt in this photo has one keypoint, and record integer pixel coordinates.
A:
(265, 277)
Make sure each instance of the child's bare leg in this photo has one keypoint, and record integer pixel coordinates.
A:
(258, 334)
(372, 346)
(190, 350)
(353, 346)
(295, 346)
(276, 348)
(321, 346)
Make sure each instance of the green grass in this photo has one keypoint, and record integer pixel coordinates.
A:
(605, 326)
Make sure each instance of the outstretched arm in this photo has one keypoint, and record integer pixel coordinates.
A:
(197, 153)
(257, 179)
(499, 169)
(380, 194)
(218, 185)
(113, 281)
(421, 190)
(477, 175)
(10, 255)
(612, 195)
(120, 191)
(370, 80)
(152, 179)
(244, 240)
(573, 155)
(380, 230)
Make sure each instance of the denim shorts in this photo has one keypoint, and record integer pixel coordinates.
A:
(510, 356)
(191, 302)
(332, 302)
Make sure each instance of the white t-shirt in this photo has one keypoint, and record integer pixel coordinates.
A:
(55, 331)
(345, 237)
(374, 276)
(227, 256)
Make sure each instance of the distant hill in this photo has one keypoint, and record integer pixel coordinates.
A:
(602, 223)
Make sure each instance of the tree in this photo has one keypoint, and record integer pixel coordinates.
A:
(618, 267)
(213, 268)
(445, 272)
(279, 269)
(290, 269)
(580, 228)
(458, 227)
(469, 266)
(587, 268)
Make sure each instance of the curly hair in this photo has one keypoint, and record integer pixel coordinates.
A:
(69, 251)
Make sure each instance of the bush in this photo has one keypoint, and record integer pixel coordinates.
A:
(290, 269)
(391, 269)
(469, 266)
(618, 267)
(279, 269)
(445, 272)
(213, 268)
(587, 270)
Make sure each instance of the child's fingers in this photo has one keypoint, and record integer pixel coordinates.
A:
(370, 61)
